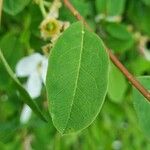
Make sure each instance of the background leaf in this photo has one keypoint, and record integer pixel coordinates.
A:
(116, 90)
(138, 14)
(77, 79)
(118, 39)
(13, 7)
(142, 106)
(13, 50)
(108, 7)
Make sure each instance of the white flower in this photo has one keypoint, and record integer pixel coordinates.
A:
(25, 114)
(51, 27)
(35, 68)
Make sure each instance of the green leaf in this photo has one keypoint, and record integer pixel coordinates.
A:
(118, 39)
(138, 14)
(118, 31)
(116, 90)
(13, 51)
(77, 79)
(139, 66)
(119, 46)
(108, 7)
(23, 93)
(146, 2)
(12, 48)
(13, 7)
(142, 106)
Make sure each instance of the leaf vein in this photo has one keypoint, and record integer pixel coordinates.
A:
(78, 73)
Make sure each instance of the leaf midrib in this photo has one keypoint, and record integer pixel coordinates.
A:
(77, 77)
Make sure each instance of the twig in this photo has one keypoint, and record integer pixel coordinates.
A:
(113, 58)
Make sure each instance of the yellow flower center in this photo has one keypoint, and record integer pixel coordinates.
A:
(51, 26)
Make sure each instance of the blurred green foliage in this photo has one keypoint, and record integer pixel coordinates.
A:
(116, 127)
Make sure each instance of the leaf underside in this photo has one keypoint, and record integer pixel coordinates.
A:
(77, 79)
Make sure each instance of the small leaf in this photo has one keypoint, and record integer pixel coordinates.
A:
(142, 106)
(108, 7)
(77, 79)
(13, 7)
(116, 90)
(118, 31)
(118, 39)
(23, 93)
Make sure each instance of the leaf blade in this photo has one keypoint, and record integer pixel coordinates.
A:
(116, 90)
(70, 73)
(142, 106)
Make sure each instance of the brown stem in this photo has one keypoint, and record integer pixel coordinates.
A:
(113, 58)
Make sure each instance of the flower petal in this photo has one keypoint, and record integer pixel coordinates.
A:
(28, 64)
(34, 85)
(25, 114)
(44, 67)
(54, 10)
